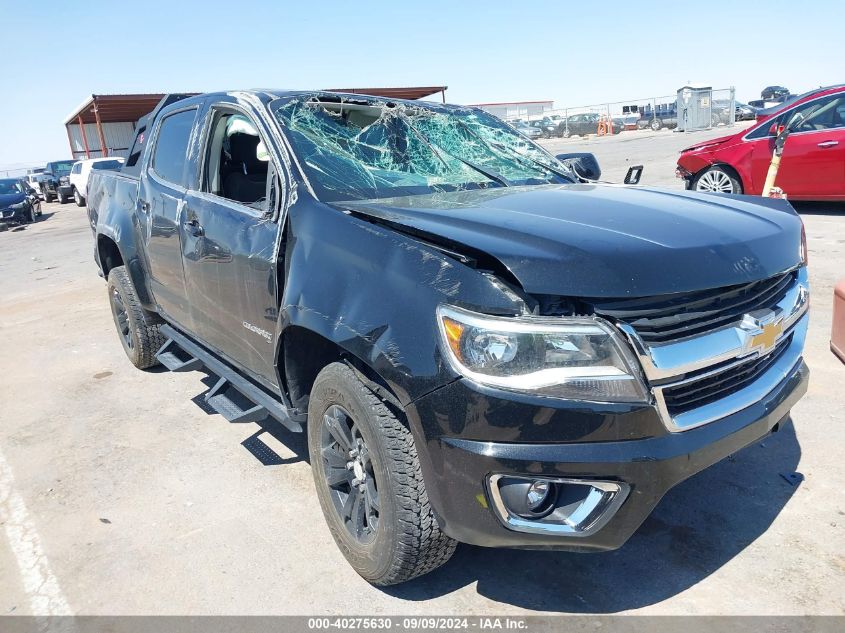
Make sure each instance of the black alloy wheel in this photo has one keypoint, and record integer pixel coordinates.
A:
(121, 318)
(350, 474)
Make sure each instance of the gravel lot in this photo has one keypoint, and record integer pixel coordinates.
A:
(119, 494)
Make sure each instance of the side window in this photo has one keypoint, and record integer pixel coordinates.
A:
(172, 146)
(823, 114)
(237, 163)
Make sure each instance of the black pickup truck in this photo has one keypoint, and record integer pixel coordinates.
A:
(481, 345)
(54, 181)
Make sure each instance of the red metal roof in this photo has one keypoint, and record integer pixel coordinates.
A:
(115, 108)
(413, 92)
(507, 103)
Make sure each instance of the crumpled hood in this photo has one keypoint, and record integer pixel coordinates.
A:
(8, 199)
(607, 240)
(710, 144)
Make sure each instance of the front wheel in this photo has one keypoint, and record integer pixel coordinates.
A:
(138, 328)
(717, 180)
(369, 482)
(78, 199)
(33, 214)
(566, 133)
(62, 198)
(656, 124)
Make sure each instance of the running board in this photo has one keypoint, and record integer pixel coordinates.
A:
(234, 397)
(176, 359)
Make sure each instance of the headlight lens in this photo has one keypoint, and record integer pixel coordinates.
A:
(562, 357)
(18, 206)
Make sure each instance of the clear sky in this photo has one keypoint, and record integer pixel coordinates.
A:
(55, 54)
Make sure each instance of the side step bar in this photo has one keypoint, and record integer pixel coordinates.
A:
(234, 397)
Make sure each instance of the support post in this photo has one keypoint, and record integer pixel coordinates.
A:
(105, 152)
(84, 138)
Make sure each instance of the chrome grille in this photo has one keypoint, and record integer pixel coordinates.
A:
(666, 318)
(715, 382)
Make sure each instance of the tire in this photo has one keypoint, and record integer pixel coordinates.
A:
(47, 197)
(656, 124)
(77, 198)
(62, 198)
(715, 119)
(716, 180)
(566, 133)
(33, 214)
(397, 538)
(138, 329)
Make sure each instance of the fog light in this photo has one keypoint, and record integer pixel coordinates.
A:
(538, 494)
(563, 506)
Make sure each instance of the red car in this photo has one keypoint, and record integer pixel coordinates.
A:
(812, 166)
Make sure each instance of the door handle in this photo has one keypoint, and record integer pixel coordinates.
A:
(193, 227)
(829, 144)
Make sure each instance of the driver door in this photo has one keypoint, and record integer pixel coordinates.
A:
(229, 242)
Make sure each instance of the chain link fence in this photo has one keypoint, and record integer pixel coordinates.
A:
(699, 108)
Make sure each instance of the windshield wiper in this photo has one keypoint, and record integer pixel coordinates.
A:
(487, 173)
(492, 175)
(539, 163)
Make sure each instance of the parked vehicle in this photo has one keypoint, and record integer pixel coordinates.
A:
(664, 115)
(813, 162)
(547, 127)
(774, 93)
(55, 182)
(584, 124)
(482, 348)
(528, 130)
(721, 112)
(772, 108)
(80, 172)
(630, 116)
(18, 204)
(34, 181)
(745, 112)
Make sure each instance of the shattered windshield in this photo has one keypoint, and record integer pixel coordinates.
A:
(356, 149)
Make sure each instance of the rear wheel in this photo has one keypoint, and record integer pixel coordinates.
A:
(138, 329)
(369, 482)
(717, 180)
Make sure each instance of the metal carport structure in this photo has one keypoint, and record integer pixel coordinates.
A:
(104, 125)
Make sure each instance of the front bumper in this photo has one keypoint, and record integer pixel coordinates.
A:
(17, 216)
(65, 190)
(612, 443)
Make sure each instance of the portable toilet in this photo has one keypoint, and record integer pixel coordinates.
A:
(695, 108)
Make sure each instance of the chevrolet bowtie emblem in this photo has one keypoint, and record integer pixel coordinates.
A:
(769, 335)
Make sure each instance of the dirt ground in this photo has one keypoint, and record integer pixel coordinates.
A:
(119, 494)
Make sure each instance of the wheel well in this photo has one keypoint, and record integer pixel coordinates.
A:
(305, 353)
(109, 254)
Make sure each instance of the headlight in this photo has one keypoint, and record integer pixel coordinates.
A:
(64, 180)
(575, 358)
(18, 206)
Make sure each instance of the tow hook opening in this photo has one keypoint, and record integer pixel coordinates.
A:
(569, 507)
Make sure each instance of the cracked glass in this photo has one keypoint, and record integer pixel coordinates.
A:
(359, 149)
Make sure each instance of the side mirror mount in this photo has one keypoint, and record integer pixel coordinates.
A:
(634, 174)
(584, 164)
